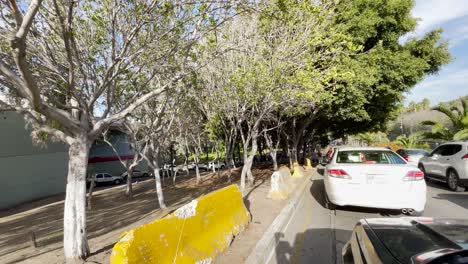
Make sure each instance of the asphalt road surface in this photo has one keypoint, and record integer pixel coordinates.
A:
(317, 235)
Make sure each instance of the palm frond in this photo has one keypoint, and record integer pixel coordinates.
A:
(460, 135)
(444, 110)
(465, 107)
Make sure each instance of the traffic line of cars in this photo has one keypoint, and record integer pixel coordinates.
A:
(380, 178)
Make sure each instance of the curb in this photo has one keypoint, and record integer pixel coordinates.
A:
(267, 243)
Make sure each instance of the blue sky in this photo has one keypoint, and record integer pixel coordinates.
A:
(452, 81)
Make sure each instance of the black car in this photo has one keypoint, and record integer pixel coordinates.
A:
(408, 240)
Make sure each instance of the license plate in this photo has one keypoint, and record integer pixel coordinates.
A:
(376, 179)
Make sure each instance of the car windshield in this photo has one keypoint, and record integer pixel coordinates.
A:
(368, 157)
(417, 152)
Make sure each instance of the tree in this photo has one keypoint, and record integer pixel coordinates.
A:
(128, 164)
(412, 141)
(384, 68)
(66, 65)
(425, 104)
(458, 116)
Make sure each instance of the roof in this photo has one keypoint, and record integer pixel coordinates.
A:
(362, 148)
(464, 142)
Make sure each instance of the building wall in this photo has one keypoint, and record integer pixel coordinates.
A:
(29, 171)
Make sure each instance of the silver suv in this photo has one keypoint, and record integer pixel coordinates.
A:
(448, 162)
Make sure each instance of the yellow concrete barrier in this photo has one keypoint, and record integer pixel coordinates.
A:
(194, 233)
(309, 164)
(298, 171)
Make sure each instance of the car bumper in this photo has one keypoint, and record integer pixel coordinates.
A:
(384, 197)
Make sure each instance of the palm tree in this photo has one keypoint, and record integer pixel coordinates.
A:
(459, 119)
(412, 141)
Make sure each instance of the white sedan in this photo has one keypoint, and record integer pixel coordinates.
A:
(374, 177)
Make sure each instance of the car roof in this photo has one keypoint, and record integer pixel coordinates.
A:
(362, 148)
(461, 142)
(412, 149)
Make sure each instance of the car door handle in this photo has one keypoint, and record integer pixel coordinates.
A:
(447, 159)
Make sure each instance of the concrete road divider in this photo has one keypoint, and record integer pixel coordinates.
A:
(298, 171)
(281, 184)
(194, 233)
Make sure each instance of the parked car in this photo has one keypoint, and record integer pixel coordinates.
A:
(448, 163)
(216, 164)
(135, 174)
(201, 166)
(376, 178)
(412, 156)
(106, 178)
(408, 240)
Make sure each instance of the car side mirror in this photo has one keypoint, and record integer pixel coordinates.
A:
(435, 156)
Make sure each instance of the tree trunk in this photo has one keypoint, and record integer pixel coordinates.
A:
(293, 155)
(75, 243)
(129, 189)
(274, 160)
(248, 160)
(159, 192)
(253, 152)
(197, 170)
(90, 192)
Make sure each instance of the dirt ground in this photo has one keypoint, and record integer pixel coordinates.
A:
(113, 213)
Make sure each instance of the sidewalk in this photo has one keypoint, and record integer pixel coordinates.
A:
(263, 211)
(112, 214)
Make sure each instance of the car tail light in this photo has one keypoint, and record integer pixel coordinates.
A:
(465, 156)
(414, 176)
(338, 174)
(406, 158)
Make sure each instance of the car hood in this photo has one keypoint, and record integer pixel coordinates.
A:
(409, 237)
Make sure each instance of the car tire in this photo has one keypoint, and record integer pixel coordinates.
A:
(116, 182)
(453, 180)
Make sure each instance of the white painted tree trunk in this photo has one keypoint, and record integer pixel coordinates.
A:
(274, 160)
(75, 243)
(248, 161)
(128, 189)
(90, 192)
(197, 170)
(159, 192)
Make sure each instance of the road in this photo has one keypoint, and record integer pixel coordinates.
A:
(317, 235)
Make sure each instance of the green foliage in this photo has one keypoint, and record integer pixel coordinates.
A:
(412, 141)
(372, 137)
(385, 68)
(458, 116)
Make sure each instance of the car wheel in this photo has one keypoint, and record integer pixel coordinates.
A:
(117, 182)
(452, 181)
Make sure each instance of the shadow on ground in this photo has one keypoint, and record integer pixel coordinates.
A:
(311, 246)
(460, 199)
(111, 212)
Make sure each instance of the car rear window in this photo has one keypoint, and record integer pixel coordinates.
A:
(368, 157)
